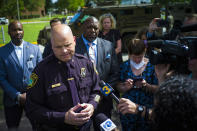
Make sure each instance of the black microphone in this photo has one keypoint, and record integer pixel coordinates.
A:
(155, 43)
(188, 28)
(104, 123)
(106, 90)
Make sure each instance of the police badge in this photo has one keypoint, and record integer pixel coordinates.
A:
(83, 72)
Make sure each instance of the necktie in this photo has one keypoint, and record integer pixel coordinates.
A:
(92, 53)
(71, 83)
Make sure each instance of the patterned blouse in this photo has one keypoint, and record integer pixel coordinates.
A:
(134, 122)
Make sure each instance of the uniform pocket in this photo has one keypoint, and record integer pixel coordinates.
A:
(58, 89)
(58, 96)
(85, 84)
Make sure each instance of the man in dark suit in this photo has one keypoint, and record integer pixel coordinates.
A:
(17, 60)
(103, 57)
(48, 47)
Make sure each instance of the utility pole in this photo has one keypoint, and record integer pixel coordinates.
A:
(18, 11)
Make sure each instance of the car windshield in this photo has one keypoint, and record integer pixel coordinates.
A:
(75, 17)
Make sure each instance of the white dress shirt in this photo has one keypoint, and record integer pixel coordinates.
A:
(19, 53)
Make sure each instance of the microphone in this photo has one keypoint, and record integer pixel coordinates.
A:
(155, 43)
(105, 124)
(107, 90)
(188, 28)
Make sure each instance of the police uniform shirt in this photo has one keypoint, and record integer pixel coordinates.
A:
(49, 97)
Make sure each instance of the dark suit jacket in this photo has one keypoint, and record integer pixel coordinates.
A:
(48, 49)
(14, 78)
(107, 64)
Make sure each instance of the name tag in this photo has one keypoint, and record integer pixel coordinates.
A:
(30, 64)
(56, 85)
(69, 79)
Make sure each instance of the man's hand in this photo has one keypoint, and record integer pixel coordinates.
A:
(73, 118)
(22, 99)
(126, 106)
(87, 108)
(153, 25)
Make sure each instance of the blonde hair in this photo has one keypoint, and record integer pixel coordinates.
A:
(112, 19)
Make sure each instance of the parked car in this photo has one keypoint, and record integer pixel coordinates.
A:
(4, 21)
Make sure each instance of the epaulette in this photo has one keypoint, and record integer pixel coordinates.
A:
(80, 56)
(48, 59)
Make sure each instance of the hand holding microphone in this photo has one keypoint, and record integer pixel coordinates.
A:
(127, 107)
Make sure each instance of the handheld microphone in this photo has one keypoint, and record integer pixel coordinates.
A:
(104, 122)
(107, 90)
(188, 28)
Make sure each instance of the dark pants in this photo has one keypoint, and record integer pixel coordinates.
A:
(13, 116)
(84, 127)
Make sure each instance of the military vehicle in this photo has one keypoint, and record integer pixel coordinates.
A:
(129, 18)
(180, 10)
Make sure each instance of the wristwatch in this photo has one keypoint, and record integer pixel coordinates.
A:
(18, 97)
(140, 109)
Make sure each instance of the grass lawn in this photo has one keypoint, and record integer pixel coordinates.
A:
(31, 31)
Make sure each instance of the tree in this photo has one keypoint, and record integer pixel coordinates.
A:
(32, 5)
(48, 5)
(8, 7)
(71, 5)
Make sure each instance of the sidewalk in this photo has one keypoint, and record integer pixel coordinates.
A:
(24, 125)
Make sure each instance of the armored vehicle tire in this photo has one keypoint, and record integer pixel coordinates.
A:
(126, 40)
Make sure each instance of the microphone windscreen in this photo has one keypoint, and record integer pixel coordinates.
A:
(101, 83)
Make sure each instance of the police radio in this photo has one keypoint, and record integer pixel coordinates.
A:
(107, 90)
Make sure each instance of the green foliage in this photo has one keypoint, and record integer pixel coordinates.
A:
(48, 5)
(71, 5)
(32, 5)
(9, 7)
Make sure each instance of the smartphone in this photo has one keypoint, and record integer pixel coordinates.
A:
(137, 79)
(79, 109)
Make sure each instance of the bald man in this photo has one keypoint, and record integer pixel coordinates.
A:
(64, 90)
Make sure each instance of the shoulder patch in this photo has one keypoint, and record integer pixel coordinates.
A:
(33, 80)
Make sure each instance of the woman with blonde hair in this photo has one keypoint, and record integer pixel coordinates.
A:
(109, 32)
